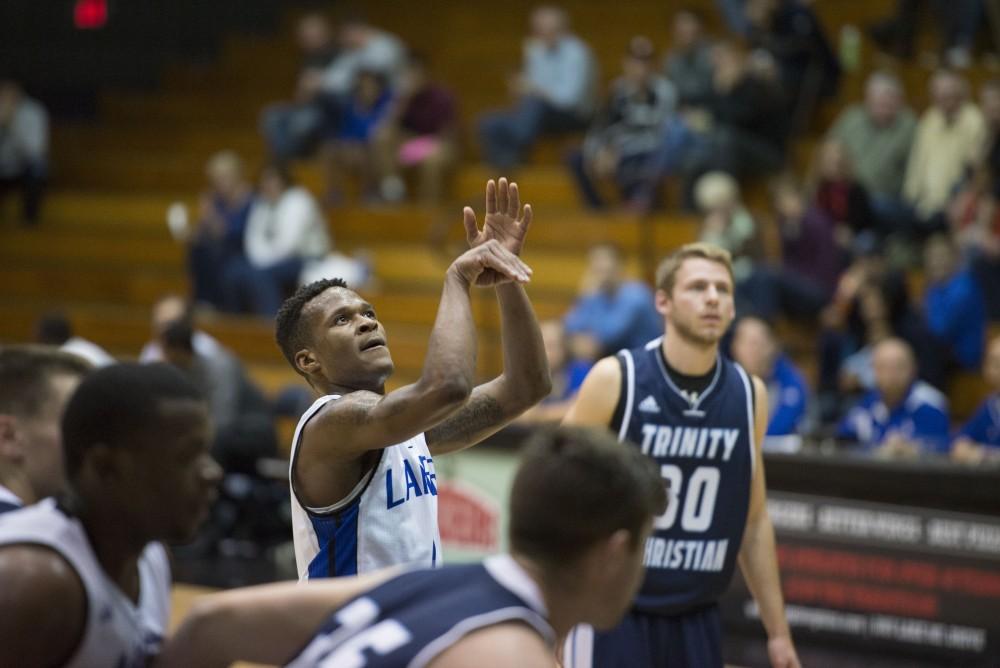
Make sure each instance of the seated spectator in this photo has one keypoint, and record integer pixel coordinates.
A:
(843, 198)
(949, 140)
(292, 129)
(349, 150)
(364, 48)
(979, 438)
(420, 131)
(878, 134)
(166, 311)
(727, 222)
(688, 63)
(24, 148)
(810, 262)
(217, 240)
(625, 137)
(285, 231)
(989, 104)
(792, 33)
(241, 418)
(55, 329)
(567, 374)
(553, 92)
(903, 416)
(756, 349)
(953, 304)
(614, 312)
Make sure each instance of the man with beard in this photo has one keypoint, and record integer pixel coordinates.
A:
(702, 418)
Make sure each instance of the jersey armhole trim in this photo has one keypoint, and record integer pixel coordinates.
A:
(628, 377)
(470, 625)
(748, 386)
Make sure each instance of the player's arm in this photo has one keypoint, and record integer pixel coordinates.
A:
(265, 624)
(758, 558)
(595, 402)
(523, 383)
(364, 421)
(509, 645)
(525, 378)
(44, 607)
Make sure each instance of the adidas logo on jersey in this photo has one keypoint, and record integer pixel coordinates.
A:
(649, 405)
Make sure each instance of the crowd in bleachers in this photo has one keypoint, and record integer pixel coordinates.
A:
(884, 249)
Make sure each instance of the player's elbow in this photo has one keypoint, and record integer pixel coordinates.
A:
(538, 387)
(449, 392)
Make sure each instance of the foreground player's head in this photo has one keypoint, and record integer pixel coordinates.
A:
(136, 441)
(332, 337)
(581, 507)
(35, 384)
(694, 292)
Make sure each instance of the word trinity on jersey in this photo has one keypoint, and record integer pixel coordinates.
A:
(699, 442)
(415, 486)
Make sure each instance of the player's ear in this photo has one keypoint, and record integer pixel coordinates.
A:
(10, 445)
(662, 301)
(306, 362)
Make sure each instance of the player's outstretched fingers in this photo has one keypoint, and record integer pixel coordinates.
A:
(491, 196)
(503, 195)
(471, 226)
(514, 205)
(526, 221)
(518, 269)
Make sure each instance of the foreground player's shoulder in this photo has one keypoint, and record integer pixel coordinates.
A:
(598, 396)
(51, 606)
(509, 645)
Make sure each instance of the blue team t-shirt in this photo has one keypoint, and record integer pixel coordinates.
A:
(922, 416)
(984, 426)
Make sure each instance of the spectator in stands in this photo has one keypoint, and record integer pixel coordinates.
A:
(878, 134)
(903, 416)
(624, 139)
(553, 92)
(24, 148)
(953, 304)
(844, 198)
(217, 240)
(989, 104)
(55, 329)
(419, 131)
(688, 63)
(755, 347)
(979, 438)
(958, 20)
(292, 129)
(567, 373)
(364, 48)
(349, 150)
(285, 230)
(35, 384)
(802, 284)
(791, 32)
(167, 310)
(241, 418)
(727, 222)
(611, 310)
(949, 140)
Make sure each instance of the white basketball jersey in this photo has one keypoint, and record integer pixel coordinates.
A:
(118, 632)
(389, 518)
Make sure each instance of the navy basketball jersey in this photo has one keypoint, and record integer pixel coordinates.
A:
(704, 446)
(411, 619)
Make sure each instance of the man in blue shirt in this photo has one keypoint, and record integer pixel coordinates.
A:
(35, 384)
(756, 350)
(979, 438)
(902, 417)
(614, 312)
(554, 91)
(954, 306)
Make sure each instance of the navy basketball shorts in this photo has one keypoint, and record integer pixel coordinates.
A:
(689, 640)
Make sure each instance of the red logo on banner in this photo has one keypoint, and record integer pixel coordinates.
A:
(467, 518)
(90, 14)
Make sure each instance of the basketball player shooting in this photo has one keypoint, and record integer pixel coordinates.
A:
(364, 492)
(701, 418)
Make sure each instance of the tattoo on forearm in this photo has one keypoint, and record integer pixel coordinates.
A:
(480, 413)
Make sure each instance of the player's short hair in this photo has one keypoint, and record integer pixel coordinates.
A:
(118, 404)
(576, 486)
(288, 329)
(26, 373)
(666, 273)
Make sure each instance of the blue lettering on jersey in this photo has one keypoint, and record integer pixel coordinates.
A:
(426, 484)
